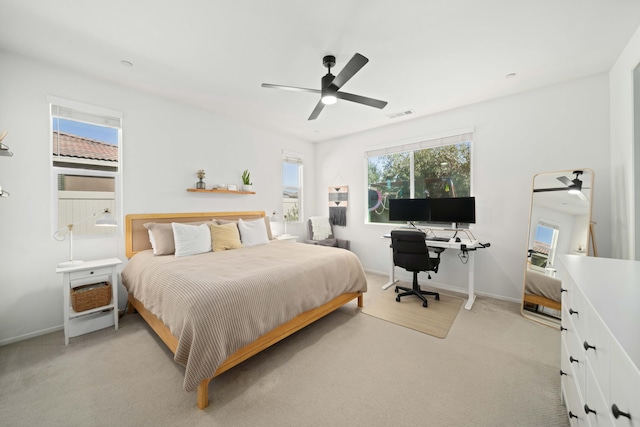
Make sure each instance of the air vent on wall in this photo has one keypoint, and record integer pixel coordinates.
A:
(400, 114)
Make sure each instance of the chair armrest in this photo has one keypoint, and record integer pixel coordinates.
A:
(344, 244)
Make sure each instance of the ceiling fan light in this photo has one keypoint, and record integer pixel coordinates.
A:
(329, 99)
(574, 191)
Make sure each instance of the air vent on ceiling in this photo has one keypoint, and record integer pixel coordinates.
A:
(400, 114)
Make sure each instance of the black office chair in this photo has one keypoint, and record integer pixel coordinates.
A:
(410, 252)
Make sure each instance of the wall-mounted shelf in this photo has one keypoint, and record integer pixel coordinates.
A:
(218, 190)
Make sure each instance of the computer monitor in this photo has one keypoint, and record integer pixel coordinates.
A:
(453, 210)
(411, 210)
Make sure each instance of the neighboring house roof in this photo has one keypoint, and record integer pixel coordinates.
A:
(68, 145)
(542, 248)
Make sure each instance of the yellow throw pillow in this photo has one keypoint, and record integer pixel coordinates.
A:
(225, 236)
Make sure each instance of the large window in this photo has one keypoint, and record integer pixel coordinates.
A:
(86, 158)
(431, 168)
(292, 186)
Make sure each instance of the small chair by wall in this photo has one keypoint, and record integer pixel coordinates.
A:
(323, 234)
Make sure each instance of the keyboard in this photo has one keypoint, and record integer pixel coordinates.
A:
(439, 239)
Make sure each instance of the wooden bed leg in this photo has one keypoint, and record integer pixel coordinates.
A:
(203, 394)
(130, 308)
(361, 300)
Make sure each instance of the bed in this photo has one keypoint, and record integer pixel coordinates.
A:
(216, 309)
(541, 289)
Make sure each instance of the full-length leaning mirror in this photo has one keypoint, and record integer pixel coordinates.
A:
(559, 223)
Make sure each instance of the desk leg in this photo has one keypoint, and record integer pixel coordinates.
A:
(472, 296)
(392, 273)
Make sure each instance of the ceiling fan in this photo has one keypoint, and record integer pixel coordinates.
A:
(573, 186)
(330, 85)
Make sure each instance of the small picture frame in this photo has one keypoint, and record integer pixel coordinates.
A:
(232, 187)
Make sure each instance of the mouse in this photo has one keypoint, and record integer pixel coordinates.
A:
(458, 240)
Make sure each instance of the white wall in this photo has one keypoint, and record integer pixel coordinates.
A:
(164, 143)
(624, 188)
(555, 128)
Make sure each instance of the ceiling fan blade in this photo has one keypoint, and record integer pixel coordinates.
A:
(292, 88)
(361, 99)
(582, 196)
(353, 66)
(316, 111)
(544, 190)
(566, 181)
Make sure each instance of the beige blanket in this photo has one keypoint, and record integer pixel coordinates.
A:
(543, 285)
(218, 302)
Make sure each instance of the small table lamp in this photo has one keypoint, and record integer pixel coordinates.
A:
(106, 221)
(278, 218)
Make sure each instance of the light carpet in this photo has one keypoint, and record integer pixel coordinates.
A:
(435, 320)
(495, 368)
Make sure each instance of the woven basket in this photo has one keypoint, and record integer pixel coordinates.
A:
(90, 296)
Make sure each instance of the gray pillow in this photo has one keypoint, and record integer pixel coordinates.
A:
(161, 237)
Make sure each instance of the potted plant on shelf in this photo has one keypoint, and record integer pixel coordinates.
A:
(200, 184)
(247, 185)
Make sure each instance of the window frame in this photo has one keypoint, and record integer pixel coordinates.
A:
(55, 171)
(411, 145)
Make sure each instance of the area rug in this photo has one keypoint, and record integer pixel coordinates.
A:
(435, 320)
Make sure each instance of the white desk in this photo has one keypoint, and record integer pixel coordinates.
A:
(471, 245)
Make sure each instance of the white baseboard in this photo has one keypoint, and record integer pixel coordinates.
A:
(444, 286)
(31, 335)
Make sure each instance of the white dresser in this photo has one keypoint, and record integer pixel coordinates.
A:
(600, 349)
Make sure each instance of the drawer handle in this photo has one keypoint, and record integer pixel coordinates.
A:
(562, 372)
(91, 272)
(562, 290)
(572, 415)
(572, 360)
(562, 328)
(587, 346)
(587, 409)
(617, 412)
(572, 311)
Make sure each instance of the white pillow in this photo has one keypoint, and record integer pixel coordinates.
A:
(253, 233)
(191, 239)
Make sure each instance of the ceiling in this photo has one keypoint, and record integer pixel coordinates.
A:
(426, 56)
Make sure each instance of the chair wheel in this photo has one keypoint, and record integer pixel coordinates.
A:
(438, 297)
(397, 290)
(424, 304)
(398, 298)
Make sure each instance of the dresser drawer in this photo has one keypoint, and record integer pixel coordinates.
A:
(576, 310)
(624, 388)
(575, 357)
(572, 398)
(595, 406)
(597, 335)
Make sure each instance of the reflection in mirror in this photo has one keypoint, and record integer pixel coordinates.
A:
(559, 223)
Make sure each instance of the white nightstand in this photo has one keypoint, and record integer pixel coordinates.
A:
(89, 272)
(287, 238)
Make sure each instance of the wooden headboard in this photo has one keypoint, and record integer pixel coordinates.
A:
(137, 236)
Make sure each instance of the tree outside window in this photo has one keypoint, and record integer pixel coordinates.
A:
(435, 172)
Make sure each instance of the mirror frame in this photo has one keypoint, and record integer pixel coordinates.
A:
(587, 184)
